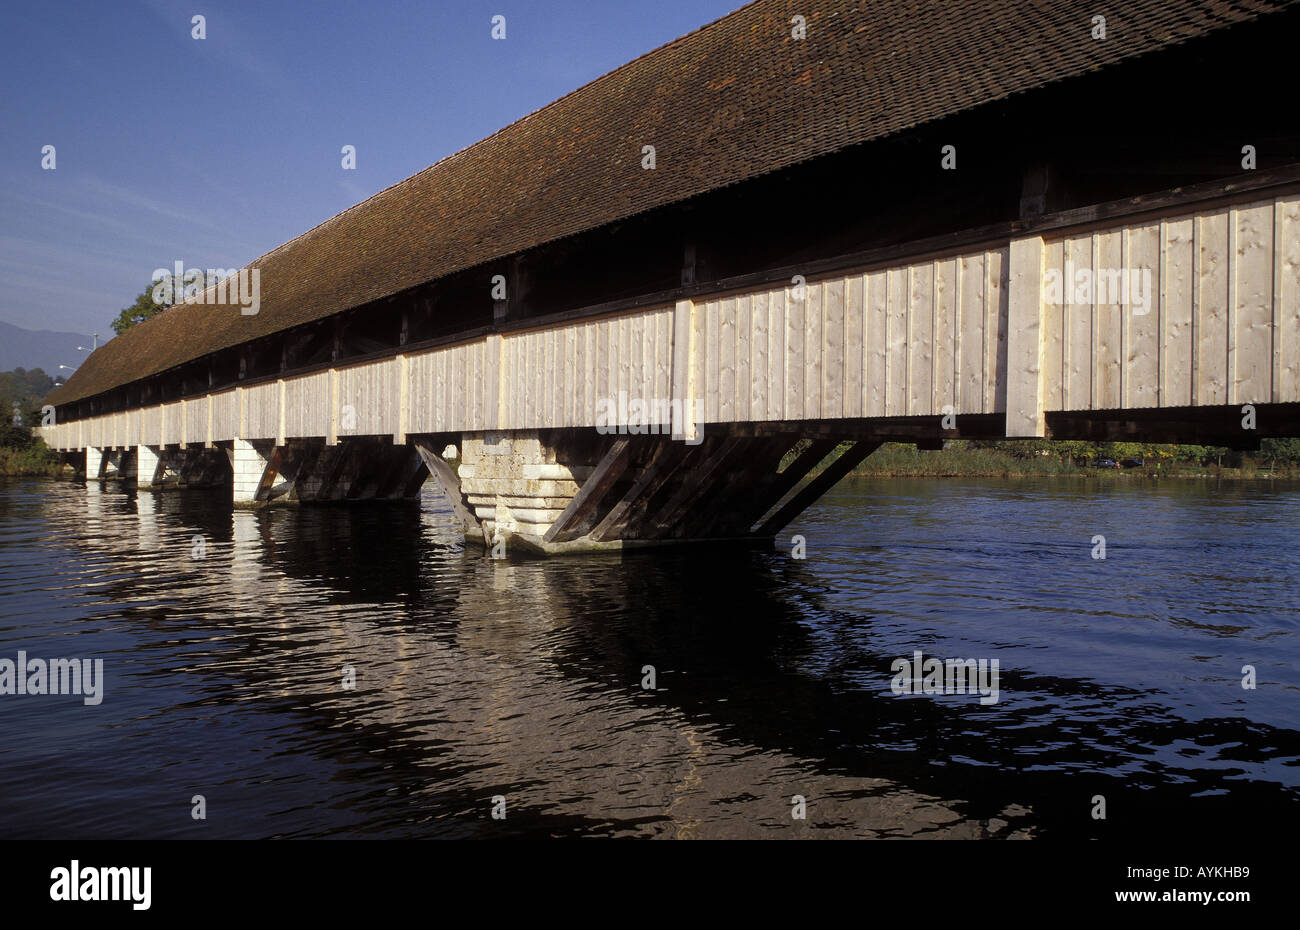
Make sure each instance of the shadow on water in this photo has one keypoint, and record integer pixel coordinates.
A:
(523, 679)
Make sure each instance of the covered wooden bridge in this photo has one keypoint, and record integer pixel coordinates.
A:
(801, 225)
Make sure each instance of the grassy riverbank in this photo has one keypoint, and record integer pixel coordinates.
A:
(22, 454)
(1012, 459)
(29, 462)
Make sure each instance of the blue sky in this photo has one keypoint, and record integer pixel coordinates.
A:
(213, 152)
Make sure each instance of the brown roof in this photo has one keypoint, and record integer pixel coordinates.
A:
(733, 100)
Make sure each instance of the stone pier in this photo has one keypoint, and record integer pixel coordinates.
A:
(110, 463)
(557, 491)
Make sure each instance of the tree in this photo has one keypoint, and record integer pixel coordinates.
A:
(21, 395)
(1284, 452)
(143, 308)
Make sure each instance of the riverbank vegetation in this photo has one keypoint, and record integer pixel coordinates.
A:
(1276, 458)
(22, 452)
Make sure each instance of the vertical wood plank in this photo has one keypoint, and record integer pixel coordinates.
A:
(998, 320)
(1212, 308)
(665, 354)
(493, 382)
(699, 351)
(1142, 280)
(1054, 329)
(776, 355)
(971, 303)
(875, 354)
(711, 359)
(1024, 339)
(622, 359)
(760, 364)
(920, 352)
(636, 358)
(1107, 261)
(794, 354)
(744, 377)
(604, 353)
(581, 376)
(681, 367)
(458, 377)
(945, 336)
(814, 326)
(855, 306)
(1252, 345)
(1079, 323)
(1287, 271)
(833, 350)
(726, 359)
(1176, 279)
(896, 378)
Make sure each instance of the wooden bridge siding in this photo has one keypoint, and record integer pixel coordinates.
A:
(896, 342)
(261, 414)
(1223, 327)
(225, 415)
(306, 408)
(557, 376)
(1223, 322)
(172, 423)
(365, 402)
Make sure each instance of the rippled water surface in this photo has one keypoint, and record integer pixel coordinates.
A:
(522, 678)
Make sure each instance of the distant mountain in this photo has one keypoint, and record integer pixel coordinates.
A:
(39, 348)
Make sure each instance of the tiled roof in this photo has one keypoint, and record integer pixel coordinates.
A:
(733, 100)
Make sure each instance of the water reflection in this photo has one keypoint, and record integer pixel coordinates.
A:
(477, 678)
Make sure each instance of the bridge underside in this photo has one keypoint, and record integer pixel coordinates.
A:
(544, 491)
(575, 490)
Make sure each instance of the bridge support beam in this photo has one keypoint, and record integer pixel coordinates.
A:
(563, 491)
(311, 471)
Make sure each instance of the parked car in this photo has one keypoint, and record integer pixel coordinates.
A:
(1107, 463)
(1132, 463)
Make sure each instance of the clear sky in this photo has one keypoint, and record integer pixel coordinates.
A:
(215, 151)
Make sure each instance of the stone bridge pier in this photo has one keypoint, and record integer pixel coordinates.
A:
(555, 491)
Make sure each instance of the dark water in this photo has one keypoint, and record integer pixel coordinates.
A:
(475, 678)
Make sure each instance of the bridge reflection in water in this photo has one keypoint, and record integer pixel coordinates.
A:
(478, 678)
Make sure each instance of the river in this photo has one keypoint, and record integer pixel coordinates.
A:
(357, 671)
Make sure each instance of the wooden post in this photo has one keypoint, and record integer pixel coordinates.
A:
(402, 372)
(447, 480)
(280, 431)
(332, 437)
(576, 517)
(494, 383)
(683, 381)
(848, 460)
(1024, 339)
